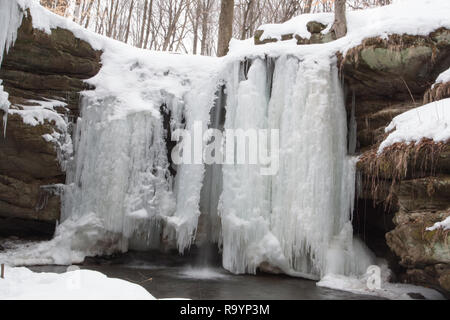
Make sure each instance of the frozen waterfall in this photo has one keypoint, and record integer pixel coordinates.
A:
(297, 220)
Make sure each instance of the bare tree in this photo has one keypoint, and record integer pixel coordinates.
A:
(225, 27)
(340, 21)
(130, 14)
(193, 26)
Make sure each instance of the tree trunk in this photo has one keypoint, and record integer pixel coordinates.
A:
(130, 14)
(308, 6)
(225, 27)
(195, 24)
(340, 22)
(149, 23)
(144, 18)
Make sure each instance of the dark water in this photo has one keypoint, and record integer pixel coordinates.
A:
(175, 277)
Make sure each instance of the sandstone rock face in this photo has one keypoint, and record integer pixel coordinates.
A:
(39, 66)
(384, 78)
(391, 76)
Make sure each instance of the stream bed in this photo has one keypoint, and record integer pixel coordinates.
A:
(172, 276)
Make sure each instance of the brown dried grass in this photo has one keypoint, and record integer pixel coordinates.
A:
(439, 92)
(398, 162)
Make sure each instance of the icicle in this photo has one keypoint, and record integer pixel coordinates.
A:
(245, 206)
(4, 106)
(10, 20)
(299, 219)
(120, 172)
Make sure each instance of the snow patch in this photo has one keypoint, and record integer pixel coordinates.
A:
(295, 26)
(443, 77)
(41, 111)
(431, 121)
(445, 225)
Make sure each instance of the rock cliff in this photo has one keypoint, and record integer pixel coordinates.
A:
(407, 184)
(40, 67)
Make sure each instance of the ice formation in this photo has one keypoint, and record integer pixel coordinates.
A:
(122, 181)
(121, 169)
(275, 219)
(122, 173)
(11, 18)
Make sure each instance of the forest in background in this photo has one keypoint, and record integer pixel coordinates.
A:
(186, 26)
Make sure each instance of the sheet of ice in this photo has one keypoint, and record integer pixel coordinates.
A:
(444, 225)
(392, 291)
(431, 121)
(23, 284)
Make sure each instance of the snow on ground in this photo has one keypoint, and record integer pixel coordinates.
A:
(23, 284)
(392, 291)
(431, 121)
(444, 225)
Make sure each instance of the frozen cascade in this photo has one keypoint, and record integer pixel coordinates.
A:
(297, 220)
(121, 171)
